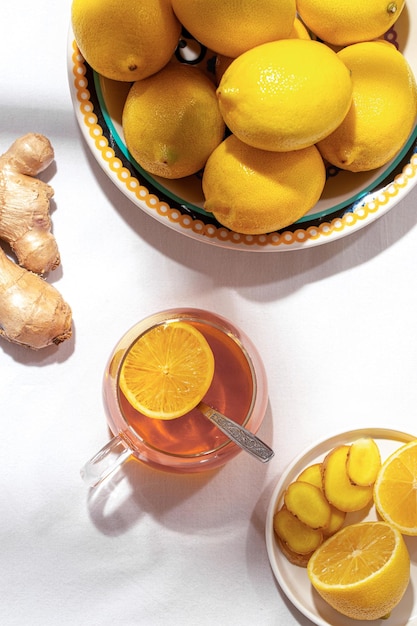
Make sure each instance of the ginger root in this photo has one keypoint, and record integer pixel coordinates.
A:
(25, 202)
(32, 312)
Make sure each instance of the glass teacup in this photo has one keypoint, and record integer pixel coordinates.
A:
(190, 443)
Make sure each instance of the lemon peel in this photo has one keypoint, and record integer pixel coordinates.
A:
(383, 109)
(349, 21)
(122, 40)
(285, 95)
(255, 191)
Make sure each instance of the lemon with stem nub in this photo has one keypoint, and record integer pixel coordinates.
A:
(383, 110)
(125, 41)
(255, 191)
(349, 21)
(171, 121)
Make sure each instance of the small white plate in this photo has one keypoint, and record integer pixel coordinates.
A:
(293, 580)
(349, 201)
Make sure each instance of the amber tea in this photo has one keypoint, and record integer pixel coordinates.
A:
(190, 443)
(231, 393)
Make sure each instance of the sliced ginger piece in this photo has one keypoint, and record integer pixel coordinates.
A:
(297, 537)
(338, 489)
(308, 503)
(312, 474)
(363, 462)
(336, 521)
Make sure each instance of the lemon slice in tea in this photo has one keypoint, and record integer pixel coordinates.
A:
(167, 371)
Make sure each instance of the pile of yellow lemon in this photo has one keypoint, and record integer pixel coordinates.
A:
(298, 83)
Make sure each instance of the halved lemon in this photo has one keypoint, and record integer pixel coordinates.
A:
(362, 571)
(167, 371)
(395, 489)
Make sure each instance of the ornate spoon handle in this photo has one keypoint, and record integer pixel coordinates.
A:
(237, 433)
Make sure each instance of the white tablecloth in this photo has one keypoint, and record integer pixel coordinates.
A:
(335, 326)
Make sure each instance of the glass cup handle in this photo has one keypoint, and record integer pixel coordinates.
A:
(105, 462)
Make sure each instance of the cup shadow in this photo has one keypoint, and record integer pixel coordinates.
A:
(185, 503)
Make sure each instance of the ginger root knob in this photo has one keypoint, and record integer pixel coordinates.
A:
(32, 312)
(25, 203)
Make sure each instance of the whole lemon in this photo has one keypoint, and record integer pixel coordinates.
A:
(349, 21)
(254, 191)
(125, 41)
(383, 111)
(171, 121)
(285, 95)
(230, 28)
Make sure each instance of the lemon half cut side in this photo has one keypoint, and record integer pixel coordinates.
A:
(395, 489)
(362, 571)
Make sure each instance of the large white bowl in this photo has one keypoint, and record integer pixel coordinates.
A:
(349, 202)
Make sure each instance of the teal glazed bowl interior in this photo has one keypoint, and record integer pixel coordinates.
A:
(349, 202)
